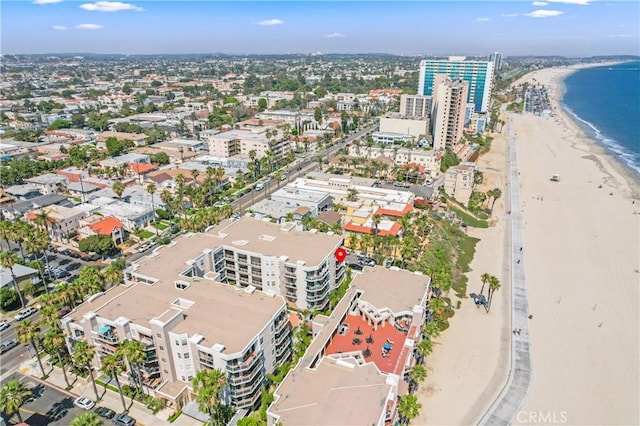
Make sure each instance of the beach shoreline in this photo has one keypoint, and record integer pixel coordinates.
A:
(563, 266)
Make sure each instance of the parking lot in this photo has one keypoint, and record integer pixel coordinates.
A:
(48, 406)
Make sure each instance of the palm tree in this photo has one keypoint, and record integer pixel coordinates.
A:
(13, 396)
(417, 374)
(66, 294)
(495, 193)
(87, 419)
(352, 194)
(42, 219)
(112, 275)
(424, 349)
(431, 330)
(5, 232)
(83, 356)
(29, 332)
(494, 285)
(118, 189)
(207, 385)
(135, 354)
(89, 281)
(37, 243)
(375, 221)
(49, 316)
(54, 341)
(151, 189)
(408, 408)
(8, 259)
(485, 278)
(112, 365)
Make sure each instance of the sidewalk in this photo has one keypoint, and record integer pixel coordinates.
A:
(110, 399)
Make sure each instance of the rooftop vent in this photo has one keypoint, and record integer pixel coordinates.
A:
(240, 242)
(267, 237)
(182, 303)
(250, 289)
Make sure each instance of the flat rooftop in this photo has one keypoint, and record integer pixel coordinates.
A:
(398, 290)
(220, 312)
(333, 394)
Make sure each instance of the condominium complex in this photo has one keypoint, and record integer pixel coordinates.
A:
(450, 100)
(479, 74)
(187, 322)
(396, 123)
(496, 57)
(415, 105)
(242, 141)
(358, 362)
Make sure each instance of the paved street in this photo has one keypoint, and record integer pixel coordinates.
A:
(48, 407)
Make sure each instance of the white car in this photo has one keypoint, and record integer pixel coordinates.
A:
(4, 325)
(84, 403)
(144, 248)
(25, 313)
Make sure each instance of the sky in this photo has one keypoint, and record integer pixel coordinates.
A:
(574, 28)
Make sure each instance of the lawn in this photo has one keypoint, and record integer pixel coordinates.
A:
(468, 219)
(161, 225)
(144, 234)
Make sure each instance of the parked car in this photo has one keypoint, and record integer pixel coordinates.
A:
(105, 412)
(59, 273)
(4, 325)
(124, 420)
(144, 248)
(84, 403)
(9, 344)
(64, 311)
(27, 312)
(258, 186)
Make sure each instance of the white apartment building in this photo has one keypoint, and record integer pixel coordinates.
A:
(316, 201)
(187, 323)
(401, 156)
(458, 182)
(242, 141)
(391, 138)
(338, 188)
(277, 259)
(415, 105)
(394, 123)
(450, 102)
(133, 217)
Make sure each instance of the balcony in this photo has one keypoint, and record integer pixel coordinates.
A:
(207, 361)
(249, 389)
(243, 269)
(244, 365)
(255, 262)
(237, 380)
(291, 285)
(228, 255)
(316, 297)
(150, 370)
(107, 334)
(282, 353)
(317, 275)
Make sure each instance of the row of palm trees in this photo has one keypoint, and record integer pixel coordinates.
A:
(493, 285)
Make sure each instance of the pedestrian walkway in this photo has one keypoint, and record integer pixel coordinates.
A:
(512, 396)
(109, 399)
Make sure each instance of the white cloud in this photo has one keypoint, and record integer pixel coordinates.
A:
(578, 2)
(335, 35)
(58, 28)
(508, 15)
(89, 27)
(539, 3)
(543, 13)
(110, 6)
(482, 19)
(46, 1)
(269, 22)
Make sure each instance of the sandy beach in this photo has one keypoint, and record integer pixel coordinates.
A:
(581, 253)
(582, 247)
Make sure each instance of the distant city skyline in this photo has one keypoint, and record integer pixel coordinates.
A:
(572, 28)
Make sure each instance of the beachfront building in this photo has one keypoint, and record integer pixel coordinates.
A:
(392, 138)
(358, 363)
(278, 259)
(479, 75)
(415, 105)
(186, 322)
(458, 182)
(450, 100)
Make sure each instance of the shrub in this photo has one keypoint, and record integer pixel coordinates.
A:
(8, 299)
(172, 418)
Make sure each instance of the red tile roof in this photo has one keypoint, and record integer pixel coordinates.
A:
(106, 225)
(395, 229)
(141, 168)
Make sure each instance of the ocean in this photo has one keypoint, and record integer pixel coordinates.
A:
(605, 101)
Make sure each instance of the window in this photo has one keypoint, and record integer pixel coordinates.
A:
(161, 348)
(163, 360)
(184, 342)
(179, 355)
(190, 378)
(158, 336)
(165, 371)
(186, 355)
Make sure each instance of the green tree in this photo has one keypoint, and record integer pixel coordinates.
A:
(13, 396)
(117, 147)
(494, 285)
(8, 298)
(112, 365)
(151, 189)
(83, 357)
(134, 352)
(118, 188)
(352, 194)
(485, 278)
(262, 104)
(417, 375)
(207, 385)
(29, 332)
(55, 342)
(409, 408)
(87, 419)
(112, 275)
(99, 244)
(494, 193)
